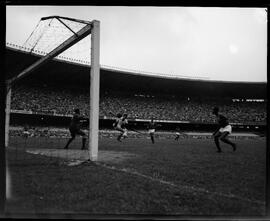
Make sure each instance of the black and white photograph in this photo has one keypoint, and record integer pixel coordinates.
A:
(135, 111)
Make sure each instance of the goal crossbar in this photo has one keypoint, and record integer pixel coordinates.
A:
(66, 18)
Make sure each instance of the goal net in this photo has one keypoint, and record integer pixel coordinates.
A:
(52, 32)
(65, 38)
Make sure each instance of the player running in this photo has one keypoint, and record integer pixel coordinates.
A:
(223, 130)
(177, 133)
(152, 129)
(26, 132)
(75, 128)
(120, 125)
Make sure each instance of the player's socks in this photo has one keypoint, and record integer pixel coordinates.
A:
(119, 138)
(83, 143)
(219, 149)
(217, 145)
(234, 147)
(69, 141)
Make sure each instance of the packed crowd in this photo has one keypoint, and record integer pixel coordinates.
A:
(52, 100)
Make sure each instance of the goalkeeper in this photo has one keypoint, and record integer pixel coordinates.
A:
(75, 128)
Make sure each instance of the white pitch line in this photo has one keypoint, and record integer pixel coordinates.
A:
(189, 188)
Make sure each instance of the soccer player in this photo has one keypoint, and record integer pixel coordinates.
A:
(75, 128)
(152, 129)
(120, 125)
(223, 130)
(26, 132)
(177, 133)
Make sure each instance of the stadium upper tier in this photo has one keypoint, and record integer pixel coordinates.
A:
(55, 100)
(71, 73)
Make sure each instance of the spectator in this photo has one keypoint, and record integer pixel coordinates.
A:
(53, 100)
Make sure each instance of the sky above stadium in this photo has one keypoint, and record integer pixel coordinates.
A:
(227, 44)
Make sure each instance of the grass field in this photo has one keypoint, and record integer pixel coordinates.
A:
(185, 178)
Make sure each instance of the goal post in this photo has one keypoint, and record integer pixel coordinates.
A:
(7, 114)
(91, 28)
(94, 91)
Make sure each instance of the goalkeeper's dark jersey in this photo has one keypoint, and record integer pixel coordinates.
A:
(75, 122)
(152, 125)
(222, 121)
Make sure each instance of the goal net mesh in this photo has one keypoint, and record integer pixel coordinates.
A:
(48, 100)
(52, 32)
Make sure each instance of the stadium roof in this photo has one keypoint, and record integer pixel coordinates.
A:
(77, 74)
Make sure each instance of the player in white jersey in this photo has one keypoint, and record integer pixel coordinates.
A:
(120, 125)
(26, 132)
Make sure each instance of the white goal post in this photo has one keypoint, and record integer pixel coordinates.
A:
(94, 92)
(92, 28)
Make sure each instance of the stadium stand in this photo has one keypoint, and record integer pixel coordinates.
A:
(54, 100)
(48, 97)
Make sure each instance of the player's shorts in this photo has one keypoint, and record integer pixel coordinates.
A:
(125, 133)
(74, 132)
(151, 131)
(119, 129)
(177, 133)
(228, 128)
(26, 133)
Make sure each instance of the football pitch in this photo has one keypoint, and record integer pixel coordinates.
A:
(135, 177)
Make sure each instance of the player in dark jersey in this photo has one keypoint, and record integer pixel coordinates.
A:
(75, 128)
(152, 129)
(223, 130)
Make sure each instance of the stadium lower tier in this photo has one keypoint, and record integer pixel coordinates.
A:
(53, 100)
